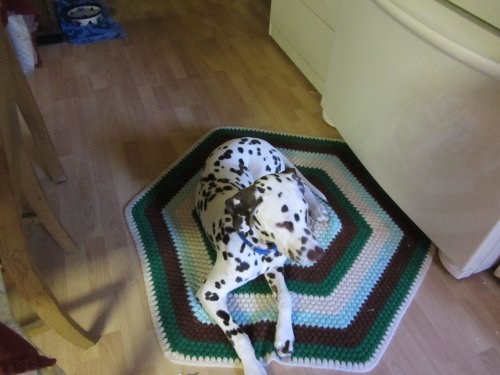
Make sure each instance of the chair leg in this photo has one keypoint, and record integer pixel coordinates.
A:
(20, 171)
(33, 118)
(42, 301)
(17, 263)
(18, 181)
(34, 195)
(29, 284)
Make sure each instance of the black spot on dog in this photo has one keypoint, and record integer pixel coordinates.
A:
(238, 279)
(233, 332)
(224, 316)
(209, 296)
(296, 217)
(226, 155)
(286, 348)
(284, 208)
(243, 266)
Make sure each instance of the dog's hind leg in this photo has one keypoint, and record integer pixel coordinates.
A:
(318, 212)
(213, 296)
(312, 195)
(307, 183)
(284, 337)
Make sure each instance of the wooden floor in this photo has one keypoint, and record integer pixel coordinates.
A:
(121, 111)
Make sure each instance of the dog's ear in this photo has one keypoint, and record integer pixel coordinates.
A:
(241, 208)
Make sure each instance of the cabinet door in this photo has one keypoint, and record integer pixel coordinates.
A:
(304, 36)
(48, 29)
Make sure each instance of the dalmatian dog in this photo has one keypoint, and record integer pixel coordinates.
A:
(257, 210)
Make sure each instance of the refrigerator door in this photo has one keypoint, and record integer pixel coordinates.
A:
(414, 88)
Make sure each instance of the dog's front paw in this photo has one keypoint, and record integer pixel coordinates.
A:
(253, 368)
(284, 349)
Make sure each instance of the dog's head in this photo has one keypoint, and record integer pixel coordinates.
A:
(274, 209)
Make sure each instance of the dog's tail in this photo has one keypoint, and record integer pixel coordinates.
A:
(314, 189)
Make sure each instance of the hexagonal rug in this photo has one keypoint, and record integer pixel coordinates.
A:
(346, 307)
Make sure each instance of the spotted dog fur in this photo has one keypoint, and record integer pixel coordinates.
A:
(257, 210)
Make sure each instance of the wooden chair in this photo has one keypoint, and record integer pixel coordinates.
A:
(22, 198)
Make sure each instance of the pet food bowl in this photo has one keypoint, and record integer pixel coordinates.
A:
(85, 14)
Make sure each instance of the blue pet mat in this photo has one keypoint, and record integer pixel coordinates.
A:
(105, 30)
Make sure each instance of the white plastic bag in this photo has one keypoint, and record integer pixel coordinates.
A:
(19, 34)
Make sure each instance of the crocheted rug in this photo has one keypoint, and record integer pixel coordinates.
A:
(346, 308)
